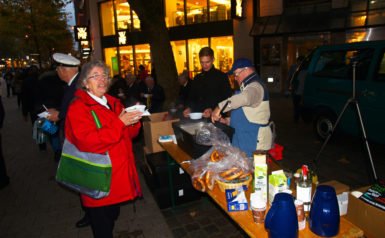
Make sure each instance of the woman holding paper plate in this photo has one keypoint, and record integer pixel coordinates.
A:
(113, 134)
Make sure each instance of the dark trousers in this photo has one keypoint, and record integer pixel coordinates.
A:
(103, 220)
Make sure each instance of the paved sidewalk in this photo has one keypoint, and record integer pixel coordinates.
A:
(34, 205)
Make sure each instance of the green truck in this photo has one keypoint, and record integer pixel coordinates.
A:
(326, 76)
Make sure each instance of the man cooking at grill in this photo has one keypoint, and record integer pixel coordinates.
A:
(250, 110)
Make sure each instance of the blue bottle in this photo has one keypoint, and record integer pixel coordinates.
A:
(281, 221)
(324, 218)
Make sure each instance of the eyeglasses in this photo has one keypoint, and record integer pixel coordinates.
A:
(236, 74)
(99, 77)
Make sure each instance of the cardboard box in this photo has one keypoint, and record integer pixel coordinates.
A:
(154, 126)
(367, 217)
(339, 187)
(342, 191)
(163, 170)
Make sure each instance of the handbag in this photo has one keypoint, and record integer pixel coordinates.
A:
(84, 172)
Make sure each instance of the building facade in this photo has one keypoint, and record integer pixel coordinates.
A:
(273, 33)
(116, 37)
(284, 30)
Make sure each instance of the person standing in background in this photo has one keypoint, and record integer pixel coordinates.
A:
(68, 71)
(8, 77)
(4, 179)
(50, 94)
(290, 74)
(152, 95)
(17, 85)
(184, 89)
(297, 85)
(118, 87)
(208, 87)
(2, 94)
(132, 93)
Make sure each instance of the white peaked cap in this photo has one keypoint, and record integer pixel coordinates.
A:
(65, 60)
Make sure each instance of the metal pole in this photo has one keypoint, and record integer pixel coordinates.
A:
(366, 140)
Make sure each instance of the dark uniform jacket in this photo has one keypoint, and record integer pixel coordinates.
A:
(69, 93)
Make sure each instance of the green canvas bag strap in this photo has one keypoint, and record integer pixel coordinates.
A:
(97, 122)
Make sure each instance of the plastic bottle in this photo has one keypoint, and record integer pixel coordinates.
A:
(304, 188)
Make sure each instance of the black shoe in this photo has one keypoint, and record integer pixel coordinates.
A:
(85, 221)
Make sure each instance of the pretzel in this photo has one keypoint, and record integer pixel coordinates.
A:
(244, 175)
(234, 175)
(209, 180)
(199, 184)
(228, 172)
(216, 156)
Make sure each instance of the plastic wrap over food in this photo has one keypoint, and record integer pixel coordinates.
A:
(223, 163)
(211, 135)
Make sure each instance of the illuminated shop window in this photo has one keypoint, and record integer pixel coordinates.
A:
(127, 60)
(180, 55)
(111, 59)
(175, 13)
(142, 57)
(107, 18)
(127, 19)
(196, 11)
(220, 10)
(194, 46)
(223, 52)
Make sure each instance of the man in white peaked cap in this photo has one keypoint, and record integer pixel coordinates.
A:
(68, 71)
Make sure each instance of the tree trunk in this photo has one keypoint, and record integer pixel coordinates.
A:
(150, 13)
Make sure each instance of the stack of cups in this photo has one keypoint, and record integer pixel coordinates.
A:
(258, 207)
(300, 214)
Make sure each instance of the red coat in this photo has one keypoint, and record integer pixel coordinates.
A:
(113, 137)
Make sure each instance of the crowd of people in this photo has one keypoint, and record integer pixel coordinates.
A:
(69, 92)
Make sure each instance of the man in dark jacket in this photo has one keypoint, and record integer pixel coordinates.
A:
(152, 95)
(184, 89)
(208, 87)
(68, 71)
(51, 90)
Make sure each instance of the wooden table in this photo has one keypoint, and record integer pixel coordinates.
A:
(244, 218)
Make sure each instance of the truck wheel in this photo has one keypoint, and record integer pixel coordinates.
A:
(323, 124)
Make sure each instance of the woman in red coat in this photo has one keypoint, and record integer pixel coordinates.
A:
(117, 130)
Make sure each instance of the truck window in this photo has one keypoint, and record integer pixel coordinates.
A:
(339, 64)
